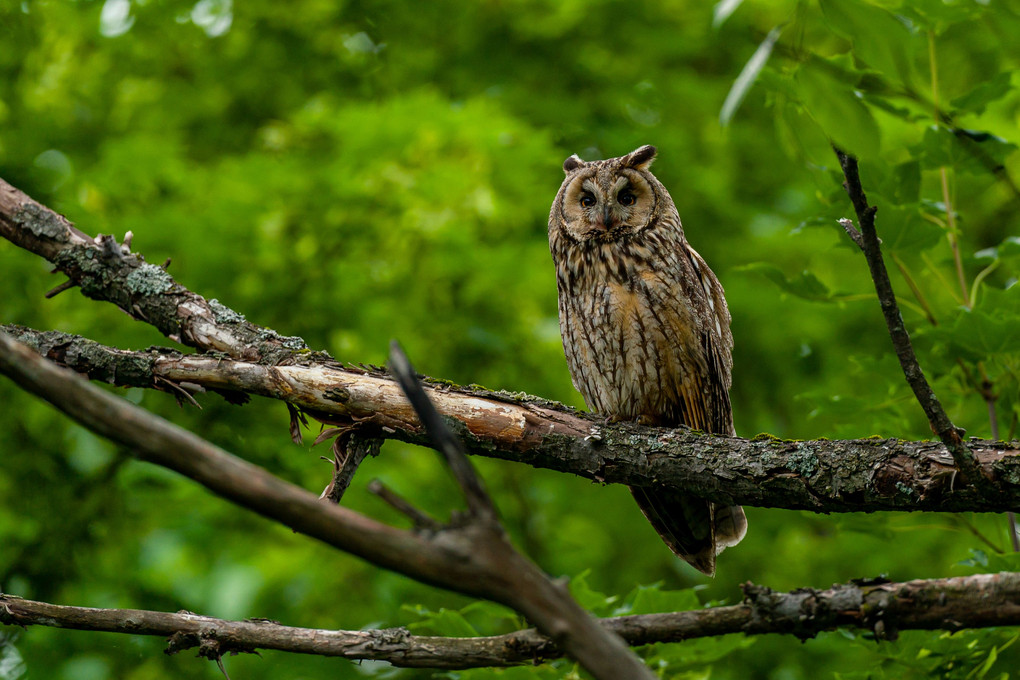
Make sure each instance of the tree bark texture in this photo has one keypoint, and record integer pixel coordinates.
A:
(818, 475)
(883, 609)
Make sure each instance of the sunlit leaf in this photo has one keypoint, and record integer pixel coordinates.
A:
(748, 75)
(722, 11)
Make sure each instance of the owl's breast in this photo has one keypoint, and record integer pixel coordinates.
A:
(631, 343)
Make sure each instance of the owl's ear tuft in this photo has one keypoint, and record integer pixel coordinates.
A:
(572, 163)
(640, 158)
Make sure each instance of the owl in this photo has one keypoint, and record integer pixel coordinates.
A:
(645, 328)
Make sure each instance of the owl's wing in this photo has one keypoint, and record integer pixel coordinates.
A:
(693, 528)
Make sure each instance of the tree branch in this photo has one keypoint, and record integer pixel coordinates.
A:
(950, 435)
(106, 270)
(819, 475)
(474, 558)
(952, 604)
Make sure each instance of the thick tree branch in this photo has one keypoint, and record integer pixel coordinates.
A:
(106, 270)
(820, 475)
(474, 558)
(950, 435)
(805, 475)
(883, 608)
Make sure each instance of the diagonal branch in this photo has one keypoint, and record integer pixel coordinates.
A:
(950, 435)
(820, 475)
(979, 601)
(473, 558)
(443, 439)
(106, 270)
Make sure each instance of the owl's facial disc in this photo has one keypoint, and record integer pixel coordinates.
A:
(603, 207)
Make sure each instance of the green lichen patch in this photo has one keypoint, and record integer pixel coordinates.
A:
(41, 222)
(803, 462)
(224, 314)
(148, 279)
(904, 489)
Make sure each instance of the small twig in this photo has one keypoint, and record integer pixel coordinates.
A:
(395, 500)
(977, 533)
(443, 438)
(851, 231)
(349, 450)
(66, 285)
(950, 435)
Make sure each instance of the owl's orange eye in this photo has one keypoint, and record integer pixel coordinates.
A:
(626, 198)
(587, 201)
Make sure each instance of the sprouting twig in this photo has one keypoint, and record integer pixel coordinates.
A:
(852, 232)
(54, 292)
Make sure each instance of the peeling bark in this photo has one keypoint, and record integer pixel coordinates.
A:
(818, 475)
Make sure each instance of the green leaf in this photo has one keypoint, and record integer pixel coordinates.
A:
(801, 136)
(445, 622)
(804, 285)
(987, 92)
(880, 40)
(652, 599)
(722, 11)
(748, 75)
(1010, 247)
(966, 151)
(839, 111)
(992, 328)
(589, 598)
(902, 229)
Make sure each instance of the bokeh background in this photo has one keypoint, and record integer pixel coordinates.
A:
(353, 172)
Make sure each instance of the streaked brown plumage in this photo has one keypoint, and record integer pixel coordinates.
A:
(645, 327)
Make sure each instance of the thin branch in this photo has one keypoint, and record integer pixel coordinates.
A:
(443, 439)
(419, 519)
(546, 603)
(819, 475)
(950, 435)
(883, 609)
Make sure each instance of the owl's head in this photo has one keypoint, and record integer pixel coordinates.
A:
(604, 201)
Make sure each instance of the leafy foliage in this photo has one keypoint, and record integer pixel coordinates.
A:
(351, 172)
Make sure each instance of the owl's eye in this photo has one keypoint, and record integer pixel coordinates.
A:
(627, 198)
(587, 201)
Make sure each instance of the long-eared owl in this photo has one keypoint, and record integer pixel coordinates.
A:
(645, 328)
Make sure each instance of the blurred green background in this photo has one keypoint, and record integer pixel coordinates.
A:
(352, 172)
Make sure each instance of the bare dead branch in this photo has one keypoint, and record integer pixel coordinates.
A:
(419, 519)
(443, 440)
(950, 435)
(818, 475)
(883, 609)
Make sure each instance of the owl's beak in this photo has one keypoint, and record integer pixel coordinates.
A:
(607, 219)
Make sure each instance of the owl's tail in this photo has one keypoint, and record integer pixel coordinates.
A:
(693, 528)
